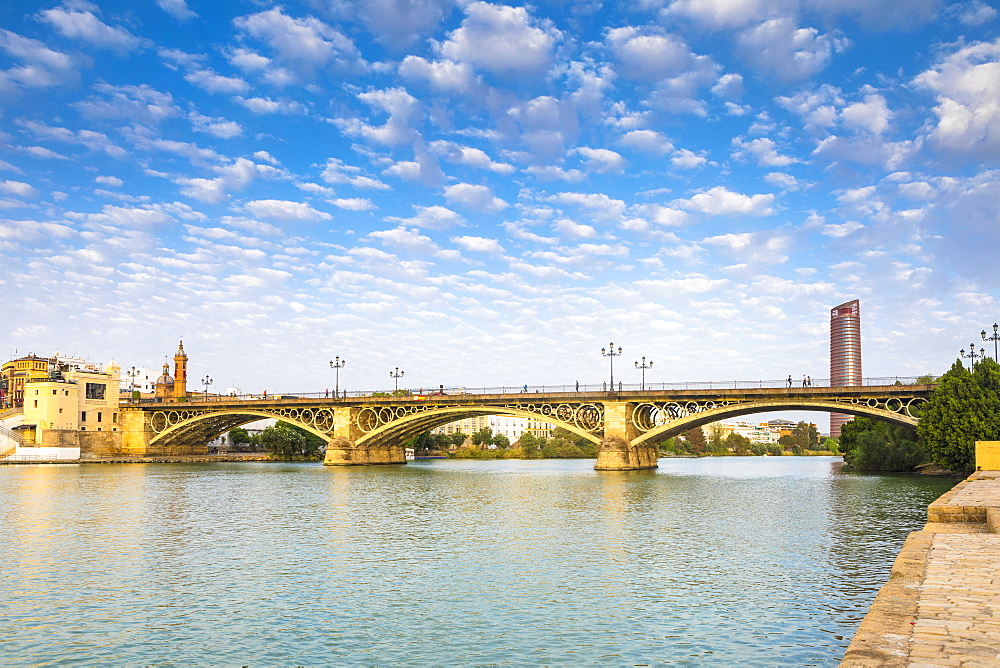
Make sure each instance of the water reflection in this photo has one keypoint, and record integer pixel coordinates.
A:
(755, 560)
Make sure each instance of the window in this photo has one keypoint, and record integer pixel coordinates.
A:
(60, 410)
(95, 390)
(36, 403)
(114, 418)
(99, 416)
(83, 416)
(54, 392)
(83, 429)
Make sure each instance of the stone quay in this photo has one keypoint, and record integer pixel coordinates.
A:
(941, 606)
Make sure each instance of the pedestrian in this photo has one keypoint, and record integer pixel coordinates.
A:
(803, 380)
(619, 386)
(604, 386)
(577, 386)
(328, 393)
(525, 389)
(789, 380)
(809, 380)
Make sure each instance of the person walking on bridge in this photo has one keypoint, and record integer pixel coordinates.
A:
(789, 380)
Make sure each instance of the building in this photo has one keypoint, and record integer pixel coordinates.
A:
(71, 398)
(16, 373)
(845, 353)
(173, 388)
(509, 425)
(142, 379)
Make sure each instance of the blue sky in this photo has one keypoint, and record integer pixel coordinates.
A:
(487, 194)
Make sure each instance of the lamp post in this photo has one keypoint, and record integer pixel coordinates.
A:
(132, 373)
(337, 364)
(397, 374)
(644, 366)
(973, 355)
(994, 339)
(612, 354)
(206, 381)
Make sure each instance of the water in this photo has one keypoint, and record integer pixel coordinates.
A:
(757, 561)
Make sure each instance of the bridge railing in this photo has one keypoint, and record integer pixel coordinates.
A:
(570, 388)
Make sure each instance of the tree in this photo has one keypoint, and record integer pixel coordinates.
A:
(239, 436)
(873, 445)
(483, 437)
(282, 442)
(804, 436)
(962, 409)
(738, 443)
(696, 437)
(501, 441)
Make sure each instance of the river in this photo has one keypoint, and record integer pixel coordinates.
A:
(752, 560)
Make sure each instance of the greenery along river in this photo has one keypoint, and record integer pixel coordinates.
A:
(757, 560)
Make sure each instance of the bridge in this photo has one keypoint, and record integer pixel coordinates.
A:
(627, 425)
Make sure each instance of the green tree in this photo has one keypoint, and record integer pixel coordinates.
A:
(531, 445)
(831, 445)
(483, 437)
(962, 409)
(501, 441)
(739, 444)
(239, 436)
(282, 442)
(873, 445)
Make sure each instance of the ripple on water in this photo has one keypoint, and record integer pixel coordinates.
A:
(749, 560)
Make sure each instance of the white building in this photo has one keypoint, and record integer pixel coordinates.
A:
(143, 377)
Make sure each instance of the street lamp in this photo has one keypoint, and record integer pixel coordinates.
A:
(612, 354)
(994, 339)
(397, 374)
(973, 355)
(644, 366)
(338, 364)
(206, 381)
(132, 373)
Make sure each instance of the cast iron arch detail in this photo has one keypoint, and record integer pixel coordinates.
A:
(170, 424)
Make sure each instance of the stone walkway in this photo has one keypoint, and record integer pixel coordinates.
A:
(941, 606)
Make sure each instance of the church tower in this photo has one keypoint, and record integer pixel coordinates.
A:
(165, 384)
(180, 373)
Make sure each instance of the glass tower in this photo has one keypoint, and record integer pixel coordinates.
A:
(845, 353)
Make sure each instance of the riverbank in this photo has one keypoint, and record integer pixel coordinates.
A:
(941, 606)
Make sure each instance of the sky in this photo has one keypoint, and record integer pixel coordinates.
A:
(486, 194)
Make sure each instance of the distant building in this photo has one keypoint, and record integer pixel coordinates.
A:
(173, 388)
(142, 380)
(510, 426)
(845, 354)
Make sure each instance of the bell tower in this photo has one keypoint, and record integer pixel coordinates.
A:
(180, 372)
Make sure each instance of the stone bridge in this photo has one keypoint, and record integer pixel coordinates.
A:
(627, 426)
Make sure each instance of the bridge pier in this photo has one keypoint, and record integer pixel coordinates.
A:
(617, 451)
(342, 452)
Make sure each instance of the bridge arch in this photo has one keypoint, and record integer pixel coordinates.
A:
(181, 427)
(901, 416)
(413, 424)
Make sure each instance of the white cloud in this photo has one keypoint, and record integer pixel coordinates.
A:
(729, 86)
(408, 239)
(233, 177)
(763, 151)
(265, 105)
(977, 13)
(782, 180)
(213, 82)
(601, 160)
(648, 141)
(685, 159)
(176, 8)
(95, 141)
(818, 108)
(555, 173)
(42, 67)
(442, 75)
(598, 205)
(719, 202)
(662, 215)
(276, 209)
(304, 45)
(967, 87)
(353, 204)
(139, 104)
(479, 244)
(648, 56)
(112, 181)
(430, 218)
(217, 127)
(335, 171)
(574, 230)
(403, 110)
(85, 26)
(842, 229)
(726, 13)
(474, 197)
(778, 48)
(397, 24)
(872, 115)
(502, 40)
(753, 248)
(18, 189)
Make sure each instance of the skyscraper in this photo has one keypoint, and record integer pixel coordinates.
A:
(845, 353)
